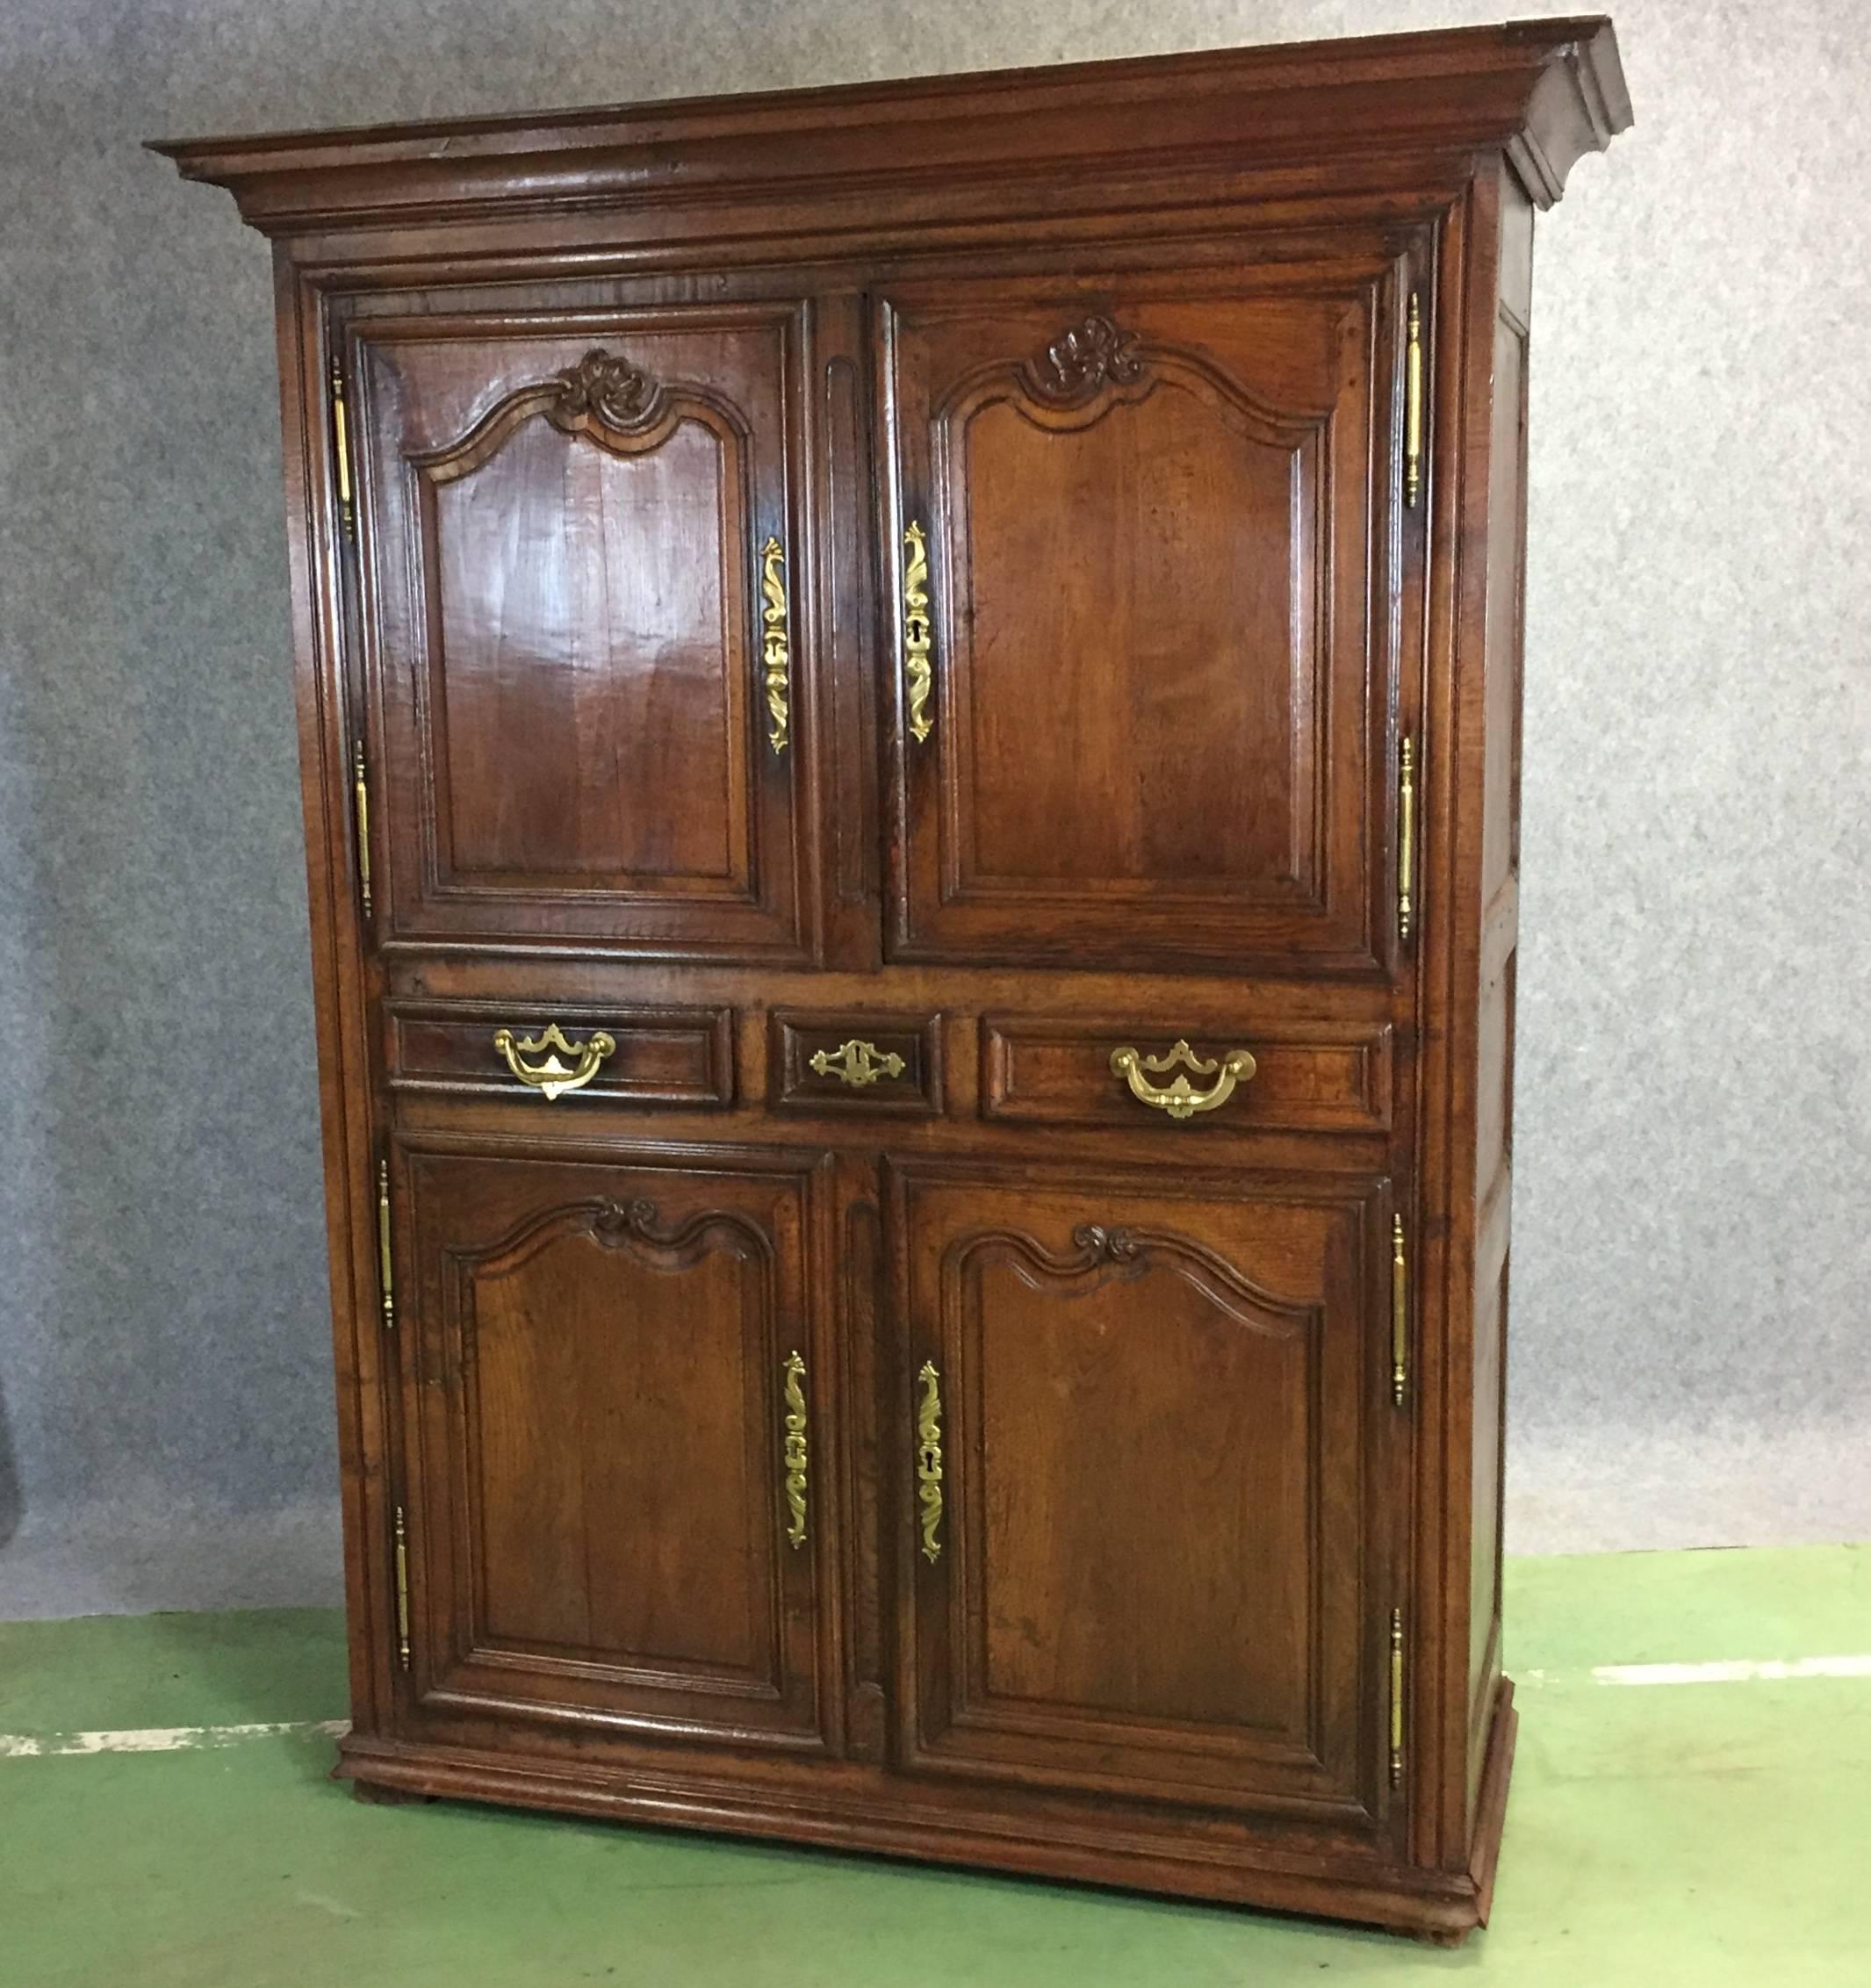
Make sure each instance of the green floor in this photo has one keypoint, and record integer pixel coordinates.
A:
(1705, 1833)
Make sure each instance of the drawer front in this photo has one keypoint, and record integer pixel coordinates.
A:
(1307, 1077)
(870, 1065)
(679, 1057)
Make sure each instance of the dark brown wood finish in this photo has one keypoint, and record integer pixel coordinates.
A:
(682, 1057)
(1154, 1566)
(1154, 529)
(595, 1447)
(606, 435)
(564, 513)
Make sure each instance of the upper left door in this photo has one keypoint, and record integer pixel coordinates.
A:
(584, 628)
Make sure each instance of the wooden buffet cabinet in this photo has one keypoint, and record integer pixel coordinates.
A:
(909, 700)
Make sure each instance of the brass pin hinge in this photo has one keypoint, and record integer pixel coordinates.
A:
(1400, 1314)
(1406, 838)
(386, 1276)
(361, 805)
(1396, 1697)
(1412, 405)
(402, 1591)
(341, 451)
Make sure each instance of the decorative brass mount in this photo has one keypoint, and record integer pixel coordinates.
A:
(1181, 1099)
(553, 1076)
(918, 672)
(857, 1063)
(929, 1459)
(774, 653)
(793, 1455)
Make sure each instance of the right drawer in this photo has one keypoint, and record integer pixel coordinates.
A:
(1318, 1076)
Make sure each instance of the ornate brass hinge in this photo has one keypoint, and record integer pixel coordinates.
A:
(340, 449)
(1412, 405)
(1396, 1697)
(1400, 1314)
(361, 808)
(385, 1275)
(402, 1591)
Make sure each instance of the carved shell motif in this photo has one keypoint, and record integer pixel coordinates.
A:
(605, 388)
(1084, 358)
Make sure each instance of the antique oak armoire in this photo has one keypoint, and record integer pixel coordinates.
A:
(909, 701)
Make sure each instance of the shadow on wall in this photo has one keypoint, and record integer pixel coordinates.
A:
(12, 1504)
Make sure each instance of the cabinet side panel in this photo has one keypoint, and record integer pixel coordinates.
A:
(1503, 650)
(337, 975)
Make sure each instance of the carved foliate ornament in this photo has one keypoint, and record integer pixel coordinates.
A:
(1101, 1245)
(606, 389)
(613, 1222)
(1084, 359)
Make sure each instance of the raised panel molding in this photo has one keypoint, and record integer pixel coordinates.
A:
(563, 555)
(731, 873)
(600, 1348)
(1103, 1255)
(633, 1228)
(1107, 653)
(1088, 374)
(618, 405)
(1246, 1391)
(615, 1225)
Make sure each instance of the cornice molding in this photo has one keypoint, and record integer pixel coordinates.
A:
(1541, 92)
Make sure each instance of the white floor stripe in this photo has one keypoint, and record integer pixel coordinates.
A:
(156, 1738)
(191, 1739)
(1739, 1671)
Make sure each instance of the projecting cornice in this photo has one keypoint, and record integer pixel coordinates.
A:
(1541, 92)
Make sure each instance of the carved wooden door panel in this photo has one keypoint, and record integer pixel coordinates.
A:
(614, 1393)
(585, 624)
(1149, 1526)
(1139, 533)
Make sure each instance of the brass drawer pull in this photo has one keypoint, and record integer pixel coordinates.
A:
(1180, 1098)
(553, 1076)
(929, 1459)
(857, 1063)
(918, 672)
(793, 1456)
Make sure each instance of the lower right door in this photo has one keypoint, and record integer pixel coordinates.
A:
(1147, 1544)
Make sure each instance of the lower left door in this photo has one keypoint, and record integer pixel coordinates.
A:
(609, 1420)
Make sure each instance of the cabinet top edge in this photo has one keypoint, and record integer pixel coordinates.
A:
(1546, 91)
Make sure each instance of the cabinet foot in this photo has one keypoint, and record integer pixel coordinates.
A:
(374, 1791)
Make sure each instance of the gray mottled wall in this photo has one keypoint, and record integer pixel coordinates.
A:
(1692, 1257)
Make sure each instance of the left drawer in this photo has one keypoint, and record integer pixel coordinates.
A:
(682, 1057)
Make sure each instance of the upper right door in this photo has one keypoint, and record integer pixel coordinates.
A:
(1141, 528)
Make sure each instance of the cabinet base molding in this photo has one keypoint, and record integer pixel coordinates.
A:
(880, 1819)
(1490, 1810)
